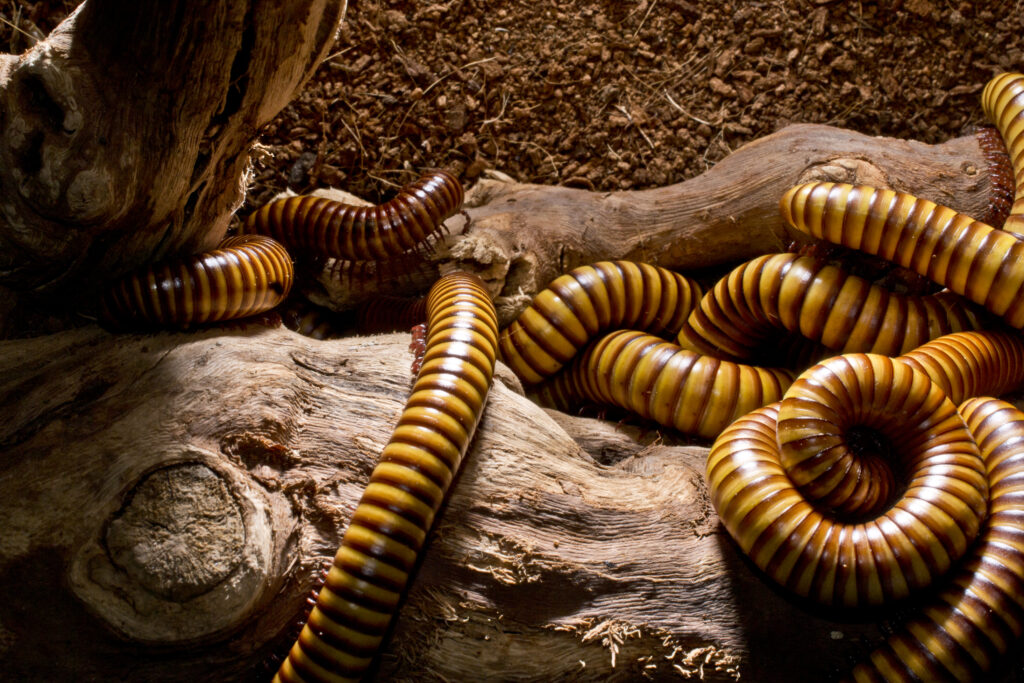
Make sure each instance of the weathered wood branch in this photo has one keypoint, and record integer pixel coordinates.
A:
(520, 237)
(168, 499)
(125, 134)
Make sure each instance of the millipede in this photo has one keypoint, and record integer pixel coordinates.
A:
(245, 275)
(691, 392)
(817, 515)
(821, 302)
(1003, 103)
(380, 548)
(1002, 183)
(386, 313)
(326, 227)
(950, 248)
(775, 473)
(979, 612)
(575, 306)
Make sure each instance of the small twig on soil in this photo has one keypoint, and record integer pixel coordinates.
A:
(20, 30)
(647, 14)
(629, 117)
(684, 112)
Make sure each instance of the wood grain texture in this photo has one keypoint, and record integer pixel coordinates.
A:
(520, 237)
(542, 559)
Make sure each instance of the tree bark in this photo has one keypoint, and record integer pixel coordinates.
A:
(520, 237)
(167, 500)
(125, 135)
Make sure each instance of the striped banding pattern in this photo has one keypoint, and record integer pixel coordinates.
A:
(1002, 183)
(966, 364)
(243, 276)
(744, 311)
(951, 249)
(590, 299)
(657, 380)
(1003, 102)
(326, 227)
(389, 526)
(390, 314)
(792, 493)
(978, 614)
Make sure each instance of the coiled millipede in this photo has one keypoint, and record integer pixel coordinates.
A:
(820, 302)
(245, 275)
(817, 515)
(1003, 102)
(381, 545)
(972, 259)
(979, 613)
(587, 300)
(361, 233)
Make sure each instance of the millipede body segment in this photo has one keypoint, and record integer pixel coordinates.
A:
(802, 505)
(380, 548)
(656, 379)
(1003, 102)
(979, 613)
(576, 306)
(361, 233)
(243, 276)
(745, 310)
(972, 259)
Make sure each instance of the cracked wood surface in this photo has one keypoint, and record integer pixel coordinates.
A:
(129, 464)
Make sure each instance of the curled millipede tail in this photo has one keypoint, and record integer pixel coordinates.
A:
(979, 614)
(382, 544)
(806, 507)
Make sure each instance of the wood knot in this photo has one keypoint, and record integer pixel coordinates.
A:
(179, 534)
(186, 554)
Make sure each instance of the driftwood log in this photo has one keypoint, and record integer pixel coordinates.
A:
(520, 237)
(167, 500)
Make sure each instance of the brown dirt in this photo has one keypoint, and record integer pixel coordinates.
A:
(615, 95)
(606, 94)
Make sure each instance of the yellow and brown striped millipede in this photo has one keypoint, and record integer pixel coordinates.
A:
(588, 300)
(691, 392)
(821, 302)
(1003, 102)
(361, 233)
(388, 528)
(774, 473)
(951, 249)
(979, 613)
(243, 276)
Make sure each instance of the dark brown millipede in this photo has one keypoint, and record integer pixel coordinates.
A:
(326, 227)
(824, 303)
(243, 276)
(590, 299)
(388, 528)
